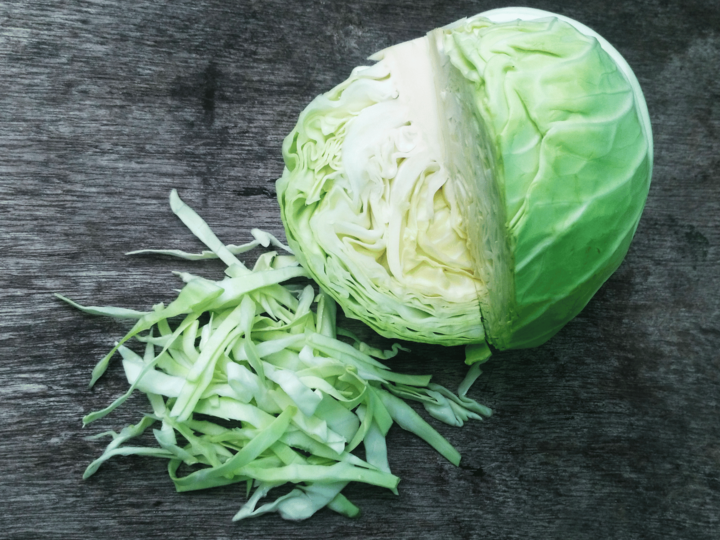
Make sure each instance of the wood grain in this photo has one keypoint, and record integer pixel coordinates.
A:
(610, 430)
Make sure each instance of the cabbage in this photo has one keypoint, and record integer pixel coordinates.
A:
(475, 185)
(249, 383)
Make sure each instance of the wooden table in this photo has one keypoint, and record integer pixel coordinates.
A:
(610, 430)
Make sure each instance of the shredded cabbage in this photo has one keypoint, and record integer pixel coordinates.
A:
(263, 357)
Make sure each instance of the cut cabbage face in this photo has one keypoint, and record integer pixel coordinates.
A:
(478, 183)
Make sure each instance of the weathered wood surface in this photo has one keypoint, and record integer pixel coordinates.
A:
(611, 430)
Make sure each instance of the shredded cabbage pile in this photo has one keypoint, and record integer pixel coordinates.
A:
(263, 356)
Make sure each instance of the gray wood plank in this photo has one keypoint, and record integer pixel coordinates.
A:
(610, 430)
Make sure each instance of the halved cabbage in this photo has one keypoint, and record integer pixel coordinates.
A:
(477, 184)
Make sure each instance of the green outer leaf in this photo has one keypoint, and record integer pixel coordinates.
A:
(574, 161)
